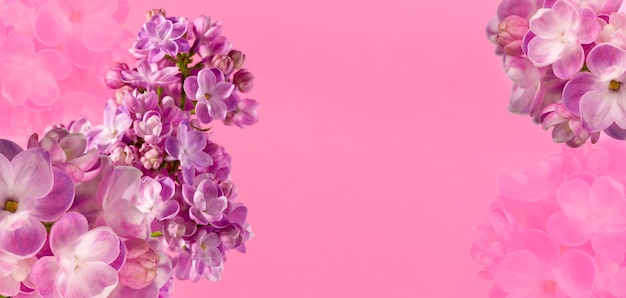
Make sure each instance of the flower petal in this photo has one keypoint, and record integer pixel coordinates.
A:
(575, 273)
(66, 231)
(26, 240)
(570, 62)
(578, 86)
(57, 202)
(99, 244)
(93, 279)
(544, 52)
(33, 174)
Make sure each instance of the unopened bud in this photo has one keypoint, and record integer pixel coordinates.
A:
(244, 80)
(511, 32)
(113, 78)
(153, 12)
(223, 63)
(238, 58)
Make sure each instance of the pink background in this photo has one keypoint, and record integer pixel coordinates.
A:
(382, 128)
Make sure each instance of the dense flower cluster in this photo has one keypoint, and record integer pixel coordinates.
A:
(121, 208)
(567, 60)
(559, 230)
(53, 54)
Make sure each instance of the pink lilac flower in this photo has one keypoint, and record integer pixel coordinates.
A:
(591, 212)
(13, 271)
(596, 95)
(560, 32)
(85, 29)
(536, 268)
(210, 90)
(30, 75)
(613, 31)
(160, 37)
(80, 265)
(566, 126)
(31, 192)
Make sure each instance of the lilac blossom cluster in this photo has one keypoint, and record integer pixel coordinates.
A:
(559, 229)
(121, 208)
(567, 60)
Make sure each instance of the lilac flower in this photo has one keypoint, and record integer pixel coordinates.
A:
(244, 80)
(115, 124)
(149, 75)
(597, 96)
(31, 192)
(68, 152)
(245, 114)
(139, 103)
(80, 265)
(560, 31)
(124, 155)
(176, 229)
(151, 156)
(567, 127)
(154, 198)
(187, 147)
(160, 37)
(206, 201)
(205, 30)
(151, 129)
(13, 271)
(210, 90)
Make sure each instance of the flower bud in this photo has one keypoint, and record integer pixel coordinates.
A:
(223, 63)
(244, 80)
(113, 78)
(238, 58)
(511, 33)
(140, 267)
(153, 12)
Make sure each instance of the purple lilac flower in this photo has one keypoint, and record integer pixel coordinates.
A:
(149, 75)
(115, 125)
(187, 147)
(160, 37)
(206, 202)
(245, 114)
(210, 90)
(138, 103)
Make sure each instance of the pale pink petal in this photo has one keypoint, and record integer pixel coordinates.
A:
(33, 174)
(578, 86)
(43, 275)
(544, 52)
(610, 242)
(595, 110)
(9, 287)
(83, 57)
(545, 24)
(17, 45)
(54, 63)
(6, 176)
(544, 248)
(519, 270)
(573, 198)
(66, 232)
(98, 8)
(575, 273)
(124, 185)
(51, 26)
(589, 28)
(607, 200)
(14, 87)
(99, 244)
(218, 109)
(570, 62)
(45, 89)
(92, 279)
(26, 240)
(568, 231)
(100, 34)
(605, 56)
(57, 202)
(126, 220)
(191, 87)
(206, 80)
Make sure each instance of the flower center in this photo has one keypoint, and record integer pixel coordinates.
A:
(207, 96)
(10, 206)
(75, 17)
(614, 85)
(549, 286)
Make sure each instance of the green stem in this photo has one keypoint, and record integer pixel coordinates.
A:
(156, 234)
